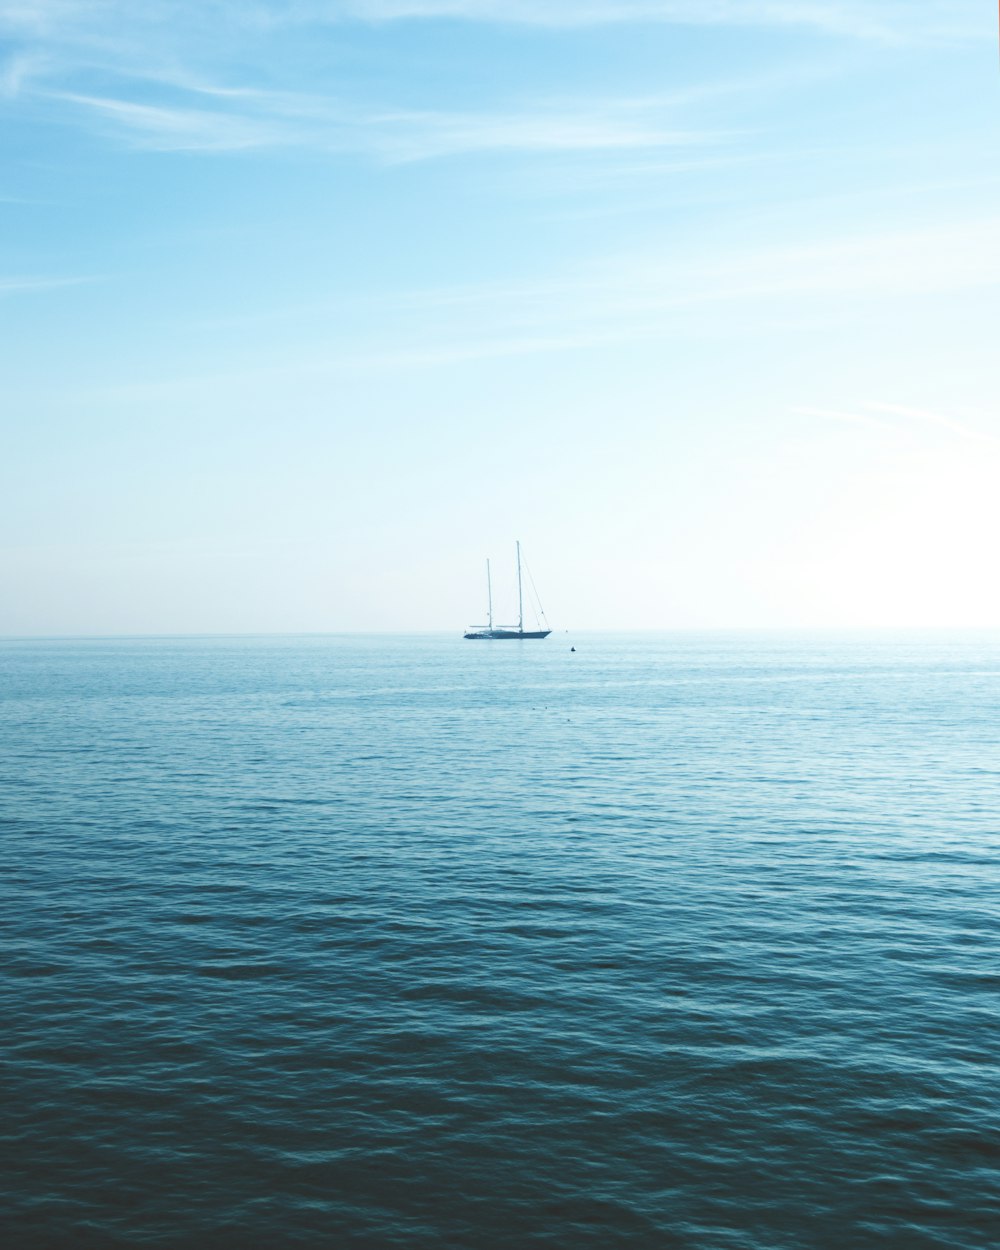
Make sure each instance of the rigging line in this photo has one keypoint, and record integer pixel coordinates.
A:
(531, 580)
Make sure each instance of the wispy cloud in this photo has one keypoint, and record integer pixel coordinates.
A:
(628, 299)
(889, 19)
(176, 129)
(949, 256)
(902, 421)
(209, 118)
(845, 417)
(857, 18)
(421, 135)
(201, 75)
(625, 290)
(151, 78)
(935, 420)
(27, 285)
(645, 295)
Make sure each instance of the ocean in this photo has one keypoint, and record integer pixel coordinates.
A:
(675, 940)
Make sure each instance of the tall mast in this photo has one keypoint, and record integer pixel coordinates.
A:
(520, 604)
(489, 592)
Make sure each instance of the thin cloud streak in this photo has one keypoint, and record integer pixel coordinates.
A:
(890, 20)
(415, 136)
(953, 255)
(64, 20)
(110, 64)
(31, 286)
(624, 302)
(156, 75)
(178, 39)
(158, 100)
(259, 119)
(938, 420)
(176, 129)
(914, 426)
(641, 288)
(659, 281)
(847, 418)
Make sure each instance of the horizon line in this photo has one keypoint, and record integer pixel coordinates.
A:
(458, 636)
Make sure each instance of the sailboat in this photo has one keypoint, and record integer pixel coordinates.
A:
(507, 631)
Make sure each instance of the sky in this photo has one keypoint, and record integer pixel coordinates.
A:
(307, 307)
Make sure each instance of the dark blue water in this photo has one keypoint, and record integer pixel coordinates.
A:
(672, 942)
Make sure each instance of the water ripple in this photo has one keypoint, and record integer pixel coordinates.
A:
(676, 942)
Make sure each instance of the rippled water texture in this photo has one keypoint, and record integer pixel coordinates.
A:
(414, 942)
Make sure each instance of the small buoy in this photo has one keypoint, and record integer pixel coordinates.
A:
(572, 648)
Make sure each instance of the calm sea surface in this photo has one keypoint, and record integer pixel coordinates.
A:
(676, 941)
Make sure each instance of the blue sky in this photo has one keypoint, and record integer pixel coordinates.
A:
(308, 307)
